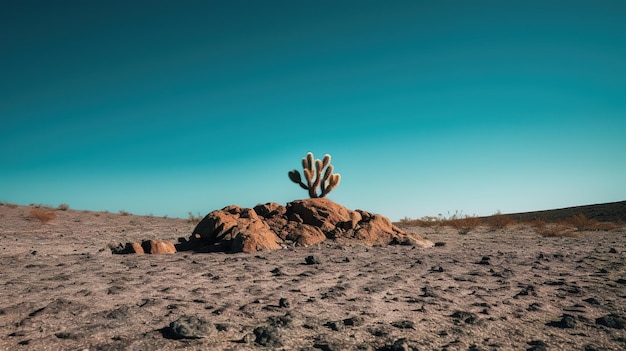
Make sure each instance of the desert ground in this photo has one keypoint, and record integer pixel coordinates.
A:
(510, 288)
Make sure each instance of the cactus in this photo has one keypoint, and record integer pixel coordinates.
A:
(318, 174)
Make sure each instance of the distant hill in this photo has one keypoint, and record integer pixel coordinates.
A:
(606, 212)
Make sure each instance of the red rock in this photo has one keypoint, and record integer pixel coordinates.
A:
(236, 229)
(305, 235)
(134, 248)
(320, 212)
(303, 222)
(158, 247)
(270, 210)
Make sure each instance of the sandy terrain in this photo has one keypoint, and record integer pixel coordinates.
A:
(512, 289)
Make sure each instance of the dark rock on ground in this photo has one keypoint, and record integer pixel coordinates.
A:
(399, 345)
(310, 260)
(567, 321)
(537, 345)
(335, 325)
(404, 324)
(612, 321)
(484, 261)
(466, 317)
(284, 303)
(527, 290)
(592, 301)
(267, 336)
(354, 321)
(189, 327)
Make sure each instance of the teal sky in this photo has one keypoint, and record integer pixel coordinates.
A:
(167, 107)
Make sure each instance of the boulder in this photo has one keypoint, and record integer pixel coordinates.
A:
(269, 210)
(146, 247)
(234, 229)
(306, 222)
(319, 212)
(158, 247)
(189, 327)
(271, 226)
(134, 248)
(305, 235)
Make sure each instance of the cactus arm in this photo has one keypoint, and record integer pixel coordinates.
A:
(309, 161)
(327, 173)
(296, 178)
(308, 174)
(332, 184)
(326, 161)
(305, 165)
(318, 175)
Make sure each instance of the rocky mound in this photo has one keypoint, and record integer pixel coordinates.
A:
(303, 222)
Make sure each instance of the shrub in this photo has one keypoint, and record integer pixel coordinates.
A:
(581, 222)
(500, 221)
(124, 213)
(410, 222)
(64, 207)
(552, 229)
(465, 224)
(42, 215)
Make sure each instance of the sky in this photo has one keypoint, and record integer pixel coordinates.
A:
(426, 107)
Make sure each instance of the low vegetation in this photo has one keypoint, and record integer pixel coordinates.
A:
(194, 219)
(567, 227)
(41, 215)
(500, 221)
(572, 226)
(463, 223)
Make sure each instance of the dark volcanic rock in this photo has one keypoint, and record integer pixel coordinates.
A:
(537, 345)
(267, 336)
(189, 327)
(466, 317)
(567, 321)
(311, 260)
(404, 324)
(612, 321)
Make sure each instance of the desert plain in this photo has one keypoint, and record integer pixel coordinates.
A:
(486, 288)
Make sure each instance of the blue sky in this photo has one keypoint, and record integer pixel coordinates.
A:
(170, 107)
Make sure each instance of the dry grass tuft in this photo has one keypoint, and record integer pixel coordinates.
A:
(422, 222)
(548, 228)
(571, 226)
(464, 224)
(42, 215)
(552, 229)
(194, 219)
(500, 221)
(63, 207)
(582, 223)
